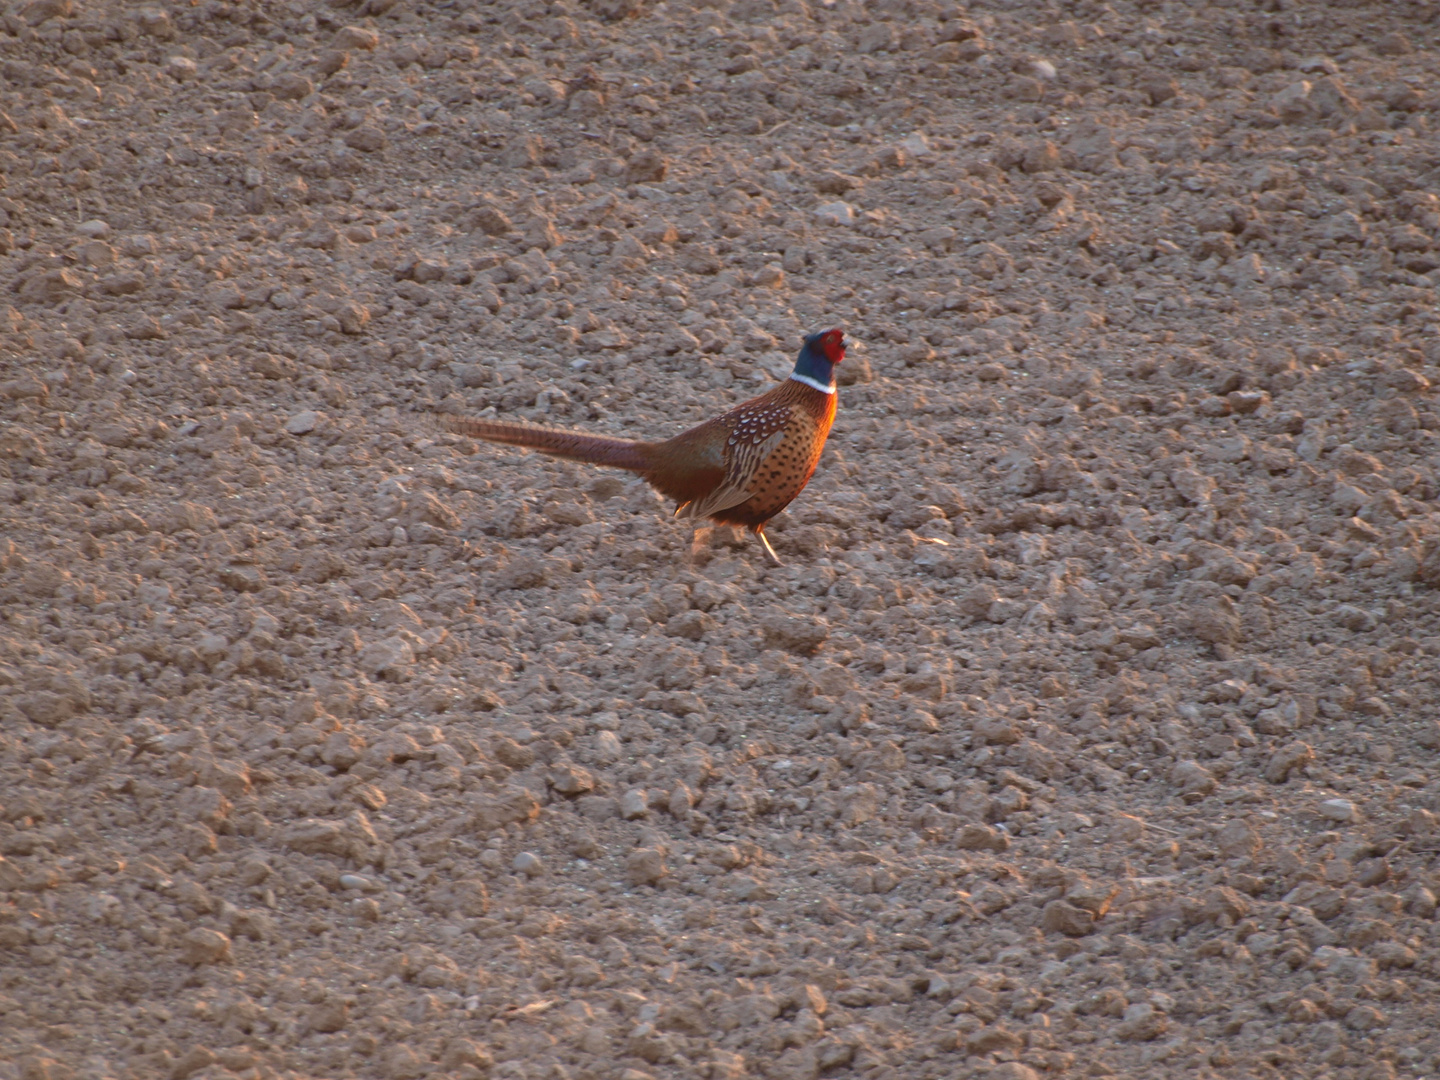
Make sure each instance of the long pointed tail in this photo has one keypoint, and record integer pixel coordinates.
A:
(572, 445)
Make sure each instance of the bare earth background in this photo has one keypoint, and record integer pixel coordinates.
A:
(1089, 727)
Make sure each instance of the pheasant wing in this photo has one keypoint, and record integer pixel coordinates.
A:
(751, 442)
(743, 461)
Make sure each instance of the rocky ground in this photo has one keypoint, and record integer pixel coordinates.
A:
(1088, 728)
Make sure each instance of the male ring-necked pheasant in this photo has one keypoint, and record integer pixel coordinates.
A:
(740, 468)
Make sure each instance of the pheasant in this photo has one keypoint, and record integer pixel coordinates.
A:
(740, 468)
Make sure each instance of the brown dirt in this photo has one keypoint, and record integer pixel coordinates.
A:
(1087, 730)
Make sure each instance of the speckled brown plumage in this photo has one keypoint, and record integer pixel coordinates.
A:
(740, 468)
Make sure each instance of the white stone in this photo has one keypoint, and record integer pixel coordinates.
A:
(836, 213)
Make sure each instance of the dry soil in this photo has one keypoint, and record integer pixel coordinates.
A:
(1088, 729)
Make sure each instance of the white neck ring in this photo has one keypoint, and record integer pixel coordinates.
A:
(814, 383)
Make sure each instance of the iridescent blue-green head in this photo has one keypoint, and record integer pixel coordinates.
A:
(815, 366)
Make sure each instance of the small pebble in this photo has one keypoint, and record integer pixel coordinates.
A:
(1142, 1022)
(527, 863)
(356, 37)
(302, 423)
(644, 866)
(181, 68)
(835, 213)
(606, 746)
(1062, 917)
(681, 800)
(201, 946)
(1341, 810)
(916, 145)
(570, 780)
(634, 804)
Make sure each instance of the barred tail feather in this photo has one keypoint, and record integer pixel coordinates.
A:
(571, 445)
